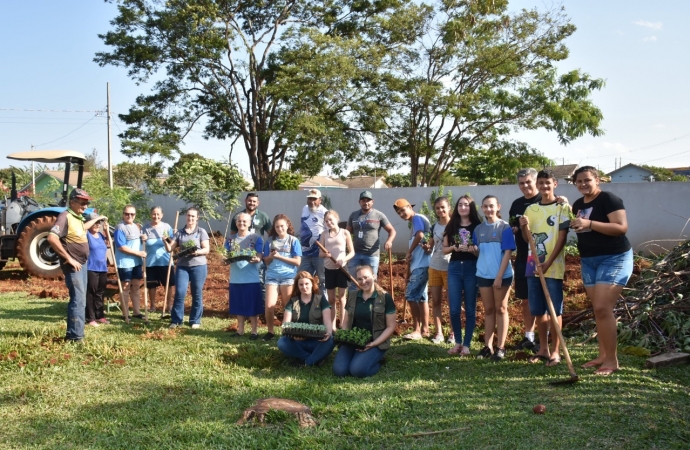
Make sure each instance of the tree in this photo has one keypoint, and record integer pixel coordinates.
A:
(138, 176)
(664, 174)
(207, 184)
(478, 74)
(368, 171)
(287, 79)
(494, 165)
(110, 203)
(91, 162)
(288, 181)
(398, 180)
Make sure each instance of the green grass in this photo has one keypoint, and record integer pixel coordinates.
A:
(125, 389)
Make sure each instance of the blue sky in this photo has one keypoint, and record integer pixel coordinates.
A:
(639, 48)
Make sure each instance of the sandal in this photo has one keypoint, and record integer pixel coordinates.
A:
(534, 359)
(553, 362)
(590, 365)
(455, 350)
(465, 351)
(606, 371)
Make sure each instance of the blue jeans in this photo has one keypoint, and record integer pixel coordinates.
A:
(462, 276)
(607, 269)
(537, 299)
(348, 361)
(362, 260)
(196, 276)
(314, 265)
(311, 351)
(76, 308)
(416, 290)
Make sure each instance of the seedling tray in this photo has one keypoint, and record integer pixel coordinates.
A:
(238, 258)
(341, 342)
(185, 252)
(291, 332)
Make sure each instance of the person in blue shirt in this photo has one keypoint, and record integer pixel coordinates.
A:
(129, 257)
(418, 256)
(496, 242)
(97, 276)
(282, 255)
(154, 235)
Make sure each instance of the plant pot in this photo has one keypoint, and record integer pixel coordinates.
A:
(185, 252)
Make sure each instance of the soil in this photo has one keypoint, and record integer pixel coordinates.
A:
(14, 279)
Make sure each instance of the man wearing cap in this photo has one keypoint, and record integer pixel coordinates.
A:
(68, 239)
(311, 227)
(365, 227)
(418, 257)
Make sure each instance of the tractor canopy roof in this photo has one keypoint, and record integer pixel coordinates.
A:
(49, 156)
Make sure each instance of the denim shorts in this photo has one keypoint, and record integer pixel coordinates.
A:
(279, 281)
(132, 273)
(607, 269)
(489, 282)
(416, 287)
(537, 299)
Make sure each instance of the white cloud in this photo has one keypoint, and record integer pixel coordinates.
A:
(652, 25)
(649, 39)
(659, 126)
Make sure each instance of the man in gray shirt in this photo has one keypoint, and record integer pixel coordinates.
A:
(365, 227)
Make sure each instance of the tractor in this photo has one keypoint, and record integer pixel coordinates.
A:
(25, 224)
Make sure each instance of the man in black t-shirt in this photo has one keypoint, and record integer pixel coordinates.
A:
(527, 182)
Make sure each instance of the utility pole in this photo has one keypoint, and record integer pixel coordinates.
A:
(110, 154)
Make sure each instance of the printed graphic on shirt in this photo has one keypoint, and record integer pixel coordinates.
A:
(584, 214)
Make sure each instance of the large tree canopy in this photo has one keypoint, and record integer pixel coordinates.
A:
(477, 74)
(290, 80)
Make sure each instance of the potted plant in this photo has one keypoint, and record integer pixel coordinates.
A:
(187, 248)
(357, 337)
(304, 330)
(236, 253)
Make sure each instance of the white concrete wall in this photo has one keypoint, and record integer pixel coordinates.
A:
(656, 211)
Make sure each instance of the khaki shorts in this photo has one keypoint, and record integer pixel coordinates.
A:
(438, 278)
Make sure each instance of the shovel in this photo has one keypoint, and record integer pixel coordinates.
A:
(552, 313)
(123, 307)
(342, 269)
(167, 279)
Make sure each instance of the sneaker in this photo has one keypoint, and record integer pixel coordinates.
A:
(253, 337)
(485, 353)
(103, 320)
(451, 339)
(268, 336)
(174, 325)
(438, 339)
(138, 316)
(499, 355)
(93, 323)
(196, 326)
(524, 344)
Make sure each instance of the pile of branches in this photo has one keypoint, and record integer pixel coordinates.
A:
(654, 313)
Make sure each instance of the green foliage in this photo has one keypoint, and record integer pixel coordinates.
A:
(494, 165)
(288, 181)
(368, 171)
(355, 336)
(570, 248)
(286, 79)
(664, 174)
(50, 194)
(207, 184)
(110, 203)
(398, 180)
(430, 212)
(138, 176)
(477, 74)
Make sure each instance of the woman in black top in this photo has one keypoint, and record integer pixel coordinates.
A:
(462, 271)
(606, 259)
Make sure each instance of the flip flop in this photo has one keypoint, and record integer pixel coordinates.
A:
(455, 350)
(412, 337)
(534, 359)
(553, 362)
(606, 371)
(590, 365)
(465, 351)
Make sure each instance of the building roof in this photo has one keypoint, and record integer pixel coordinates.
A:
(563, 171)
(363, 182)
(630, 165)
(321, 182)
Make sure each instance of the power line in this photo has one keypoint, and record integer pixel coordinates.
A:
(637, 149)
(54, 110)
(62, 137)
(669, 156)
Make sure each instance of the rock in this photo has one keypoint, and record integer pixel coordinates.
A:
(667, 359)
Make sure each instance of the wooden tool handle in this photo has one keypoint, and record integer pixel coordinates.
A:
(350, 277)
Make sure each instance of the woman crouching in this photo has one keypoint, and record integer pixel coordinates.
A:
(370, 308)
(308, 306)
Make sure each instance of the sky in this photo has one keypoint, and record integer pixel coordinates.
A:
(53, 96)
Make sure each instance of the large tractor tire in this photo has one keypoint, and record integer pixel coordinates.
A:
(35, 253)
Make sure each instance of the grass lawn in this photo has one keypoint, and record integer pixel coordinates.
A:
(144, 387)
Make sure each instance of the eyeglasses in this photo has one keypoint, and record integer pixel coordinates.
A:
(129, 214)
(83, 203)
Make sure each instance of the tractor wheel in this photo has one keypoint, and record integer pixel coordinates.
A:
(34, 252)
